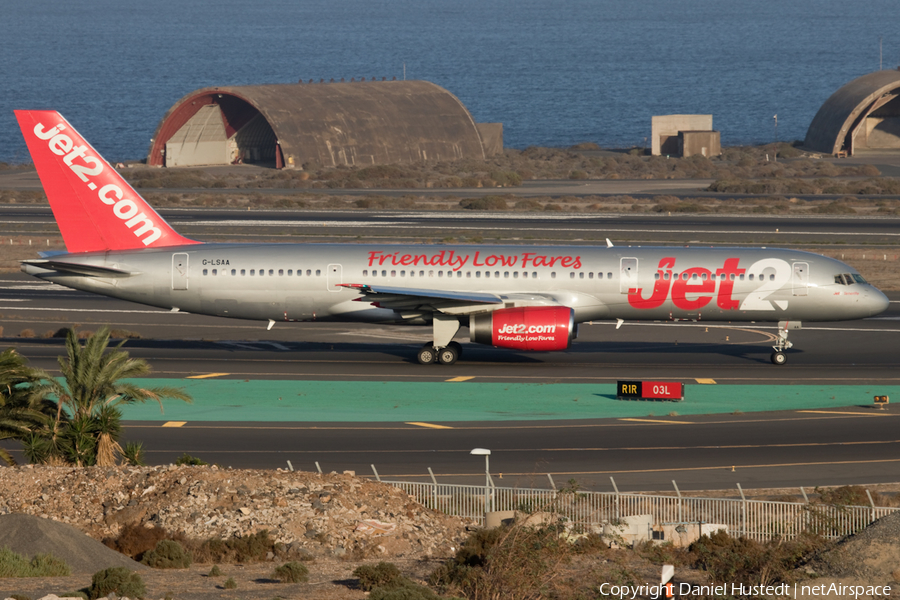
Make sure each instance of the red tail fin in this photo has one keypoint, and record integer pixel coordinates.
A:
(94, 206)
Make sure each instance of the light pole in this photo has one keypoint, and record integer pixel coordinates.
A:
(487, 477)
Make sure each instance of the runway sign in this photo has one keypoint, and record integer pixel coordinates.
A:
(650, 390)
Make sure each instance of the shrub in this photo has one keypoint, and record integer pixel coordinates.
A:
(118, 580)
(740, 559)
(251, 548)
(407, 590)
(513, 561)
(292, 572)
(384, 574)
(187, 459)
(13, 564)
(26, 333)
(168, 554)
(215, 571)
(134, 540)
(484, 203)
(229, 584)
(133, 454)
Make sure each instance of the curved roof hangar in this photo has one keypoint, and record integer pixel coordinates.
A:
(326, 124)
(864, 113)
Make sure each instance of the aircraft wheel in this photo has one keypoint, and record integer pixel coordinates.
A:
(427, 355)
(778, 358)
(456, 346)
(447, 355)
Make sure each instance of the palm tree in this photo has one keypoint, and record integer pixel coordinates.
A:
(92, 390)
(23, 408)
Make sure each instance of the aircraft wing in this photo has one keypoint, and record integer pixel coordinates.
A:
(399, 298)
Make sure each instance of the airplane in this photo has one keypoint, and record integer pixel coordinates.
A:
(518, 297)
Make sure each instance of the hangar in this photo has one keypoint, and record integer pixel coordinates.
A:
(321, 124)
(863, 114)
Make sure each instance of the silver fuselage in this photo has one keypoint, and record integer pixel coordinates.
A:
(300, 282)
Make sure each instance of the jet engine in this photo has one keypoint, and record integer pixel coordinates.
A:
(537, 328)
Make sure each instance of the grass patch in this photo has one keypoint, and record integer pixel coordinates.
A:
(13, 564)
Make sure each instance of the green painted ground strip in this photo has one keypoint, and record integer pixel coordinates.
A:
(335, 401)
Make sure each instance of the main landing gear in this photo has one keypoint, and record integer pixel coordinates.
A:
(781, 344)
(447, 355)
(443, 349)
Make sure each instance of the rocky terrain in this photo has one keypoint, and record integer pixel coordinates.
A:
(313, 515)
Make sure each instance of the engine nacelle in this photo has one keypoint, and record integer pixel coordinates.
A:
(537, 328)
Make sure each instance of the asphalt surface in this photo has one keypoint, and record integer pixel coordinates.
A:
(792, 448)
(522, 228)
(854, 444)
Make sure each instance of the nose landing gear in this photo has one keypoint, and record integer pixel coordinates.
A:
(781, 344)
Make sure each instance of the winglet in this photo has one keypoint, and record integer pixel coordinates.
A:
(609, 244)
(94, 206)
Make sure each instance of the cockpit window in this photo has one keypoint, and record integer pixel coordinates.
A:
(839, 279)
(859, 278)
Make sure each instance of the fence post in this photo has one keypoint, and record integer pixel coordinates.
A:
(744, 509)
(374, 470)
(615, 487)
(680, 512)
(318, 468)
(433, 489)
(806, 498)
(552, 483)
(290, 466)
(872, 502)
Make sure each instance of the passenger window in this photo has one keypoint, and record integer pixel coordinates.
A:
(412, 273)
(656, 276)
(421, 273)
(271, 272)
(243, 271)
(693, 276)
(515, 274)
(440, 273)
(252, 272)
(600, 275)
(383, 272)
(703, 276)
(751, 276)
(215, 272)
(281, 271)
(487, 274)
(581, 276)
(609, 275)
(393, 273)
(402, 273)
(234, 271)
(204, 271)
(772, 277)
(731, 276)
(496, 274)
(468, 273)
(318, 272)
(477, 273)
(506, 274)
(308, 272)
(458, 274)
(534, 274)
(431, 273)
(572, 275)
(290, 272)
(553, 275)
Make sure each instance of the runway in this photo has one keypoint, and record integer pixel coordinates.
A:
(834, 368)
(837, 445)
(882, 232)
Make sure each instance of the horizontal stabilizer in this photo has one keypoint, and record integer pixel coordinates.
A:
(77, 269)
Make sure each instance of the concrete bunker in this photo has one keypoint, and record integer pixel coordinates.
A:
(863, 114)
(321, 125)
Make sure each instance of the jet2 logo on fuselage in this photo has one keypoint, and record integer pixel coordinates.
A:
(694, 288)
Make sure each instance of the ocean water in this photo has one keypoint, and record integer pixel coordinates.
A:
(554, 73)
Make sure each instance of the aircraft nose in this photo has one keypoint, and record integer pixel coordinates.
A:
(876, 301)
